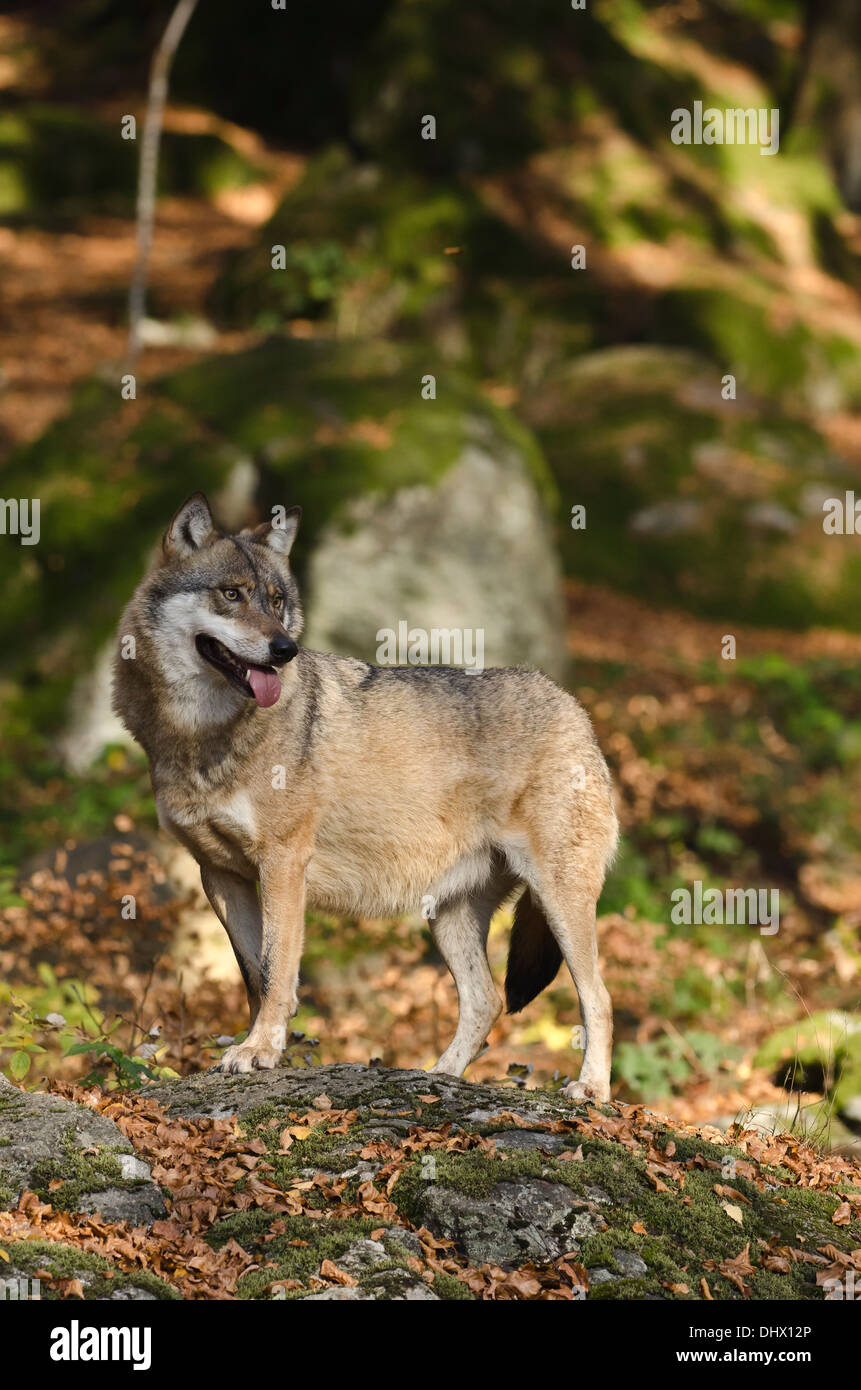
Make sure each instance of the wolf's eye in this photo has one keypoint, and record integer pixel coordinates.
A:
(231, 594)
(278, 602)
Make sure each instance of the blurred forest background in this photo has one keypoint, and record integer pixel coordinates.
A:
(556, 387)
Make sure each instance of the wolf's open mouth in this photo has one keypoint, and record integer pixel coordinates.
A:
(261, 683)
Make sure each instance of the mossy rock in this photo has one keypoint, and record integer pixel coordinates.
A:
(72, 1157)
(821, 1043)
(790, 365)
(821, 1052)
(423, 259)
(99, 1279)
(543, 1192)
(489, 1176)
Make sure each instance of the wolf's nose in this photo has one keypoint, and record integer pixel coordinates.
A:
(282, 649)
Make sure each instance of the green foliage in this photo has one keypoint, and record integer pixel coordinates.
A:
(658, 1067)
(61, 1018)
(813, 705)
(631, 885)
(49, 1012)
(814, 1050)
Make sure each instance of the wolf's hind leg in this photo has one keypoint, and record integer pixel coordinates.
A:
(234, 902)
(460, 932)
(569, 898)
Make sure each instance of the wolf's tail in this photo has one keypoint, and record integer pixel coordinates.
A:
(533, 955)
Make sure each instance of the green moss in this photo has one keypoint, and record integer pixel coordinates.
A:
(448, 1287)
(314, 1151)
(245, 1227)
(475, 1174)
(326, 1239)
(8, 1191)
(681, 1235)
(79, 1173)
(68, 1262)
(821, 1044)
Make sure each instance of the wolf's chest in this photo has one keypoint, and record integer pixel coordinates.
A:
(223, 830)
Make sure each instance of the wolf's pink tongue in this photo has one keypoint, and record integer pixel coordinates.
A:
(266, 687)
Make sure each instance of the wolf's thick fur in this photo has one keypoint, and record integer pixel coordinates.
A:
(362, 790)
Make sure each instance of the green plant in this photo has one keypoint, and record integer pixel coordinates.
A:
(62, 1017)
(42, 1017)
(656, 1067)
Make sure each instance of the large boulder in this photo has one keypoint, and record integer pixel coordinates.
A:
(444, 556)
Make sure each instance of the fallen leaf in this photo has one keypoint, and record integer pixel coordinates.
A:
(723, 1190)
(70, 1288)
(329, 1270)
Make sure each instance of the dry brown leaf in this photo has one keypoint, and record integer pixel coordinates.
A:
(329, 1270)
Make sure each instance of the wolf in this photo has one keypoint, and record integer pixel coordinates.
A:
(300, 778)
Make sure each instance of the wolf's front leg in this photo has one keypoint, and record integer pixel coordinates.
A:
(235, 903)
(282, 899)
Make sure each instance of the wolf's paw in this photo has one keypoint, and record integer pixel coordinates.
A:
(249, 1056)
(579, 1090)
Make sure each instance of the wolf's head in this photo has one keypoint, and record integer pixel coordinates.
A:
(222, 613)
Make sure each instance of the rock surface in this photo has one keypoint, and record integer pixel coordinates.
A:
(376, 1184)
(45, 1140)
(442, 558)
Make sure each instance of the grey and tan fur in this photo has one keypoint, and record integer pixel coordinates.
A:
(360, 790)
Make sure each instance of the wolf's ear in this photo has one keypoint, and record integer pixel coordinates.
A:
(191, 528)
(279, 533)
